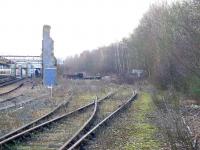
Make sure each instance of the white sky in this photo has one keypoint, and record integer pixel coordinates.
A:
(76, 25)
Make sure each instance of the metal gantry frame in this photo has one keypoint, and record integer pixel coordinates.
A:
(22, 62)
(22, 59)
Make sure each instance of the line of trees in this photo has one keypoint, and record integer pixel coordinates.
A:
(110, 59)
(166, 44)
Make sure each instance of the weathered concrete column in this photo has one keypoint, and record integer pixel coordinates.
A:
(48, 58)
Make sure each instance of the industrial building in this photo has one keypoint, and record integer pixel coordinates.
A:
(4, 63)
(21, 66)
(5, 66)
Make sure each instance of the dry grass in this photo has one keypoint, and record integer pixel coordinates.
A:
(170, 122)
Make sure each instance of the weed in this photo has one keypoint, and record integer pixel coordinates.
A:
(170, 122)
(142, 132)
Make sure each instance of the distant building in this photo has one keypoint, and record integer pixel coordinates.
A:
(137, 72)
(4, 63)
(22, 66)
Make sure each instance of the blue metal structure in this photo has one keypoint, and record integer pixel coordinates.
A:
(48, 58)
(49, 77)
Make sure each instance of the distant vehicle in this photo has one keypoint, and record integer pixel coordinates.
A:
(74, 76)
(92, 78)
(81, 76)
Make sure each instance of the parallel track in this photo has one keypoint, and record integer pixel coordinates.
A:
(28, 129)
(10, 99)
(2, 77)
(14, 89)
(6, 79)
(10, 82)
(15, 102)
(38, 121)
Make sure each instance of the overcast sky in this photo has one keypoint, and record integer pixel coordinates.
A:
(76, 25)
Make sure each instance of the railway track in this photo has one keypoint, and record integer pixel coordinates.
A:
(15, 88)
(6, 79)
(10, 99)
(17, 102)
(41, 123)
(56, 111)
(9, 93)
(76, 135)
(3, 76)
(12, 81)
(12, 110)
(79, 138)
(12, 90)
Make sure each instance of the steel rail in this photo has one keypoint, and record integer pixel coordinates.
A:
(19, 86)
(35, 122)
(10, 82)
(24, 132)
(6, 79)
(3, 77)
(10, 99)
(15, 105)
(8, 92)
(75, 136)
(100, 123)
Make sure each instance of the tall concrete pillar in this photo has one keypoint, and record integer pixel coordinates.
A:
(48, 58)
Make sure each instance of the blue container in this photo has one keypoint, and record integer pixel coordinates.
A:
(50, 76)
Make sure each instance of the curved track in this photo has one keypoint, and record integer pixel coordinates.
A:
(38, 121)
(72, 145)
(12, 90)
(28, 129)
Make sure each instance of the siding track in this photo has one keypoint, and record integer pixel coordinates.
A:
(70, 145)
(23, 133)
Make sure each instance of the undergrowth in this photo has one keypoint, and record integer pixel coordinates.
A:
(142, 132)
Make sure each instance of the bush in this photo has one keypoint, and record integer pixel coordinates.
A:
(194, 87)
(170, 121)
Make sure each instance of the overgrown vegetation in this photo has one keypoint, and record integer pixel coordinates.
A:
(171, 122)
(165, 44)
(142, 132)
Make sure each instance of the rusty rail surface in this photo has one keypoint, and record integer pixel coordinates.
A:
(14, 89)
(27, 129)
(11, 82)
(35, 122)
(78, 142)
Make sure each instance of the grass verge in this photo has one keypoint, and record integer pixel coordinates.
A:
(142, 133)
